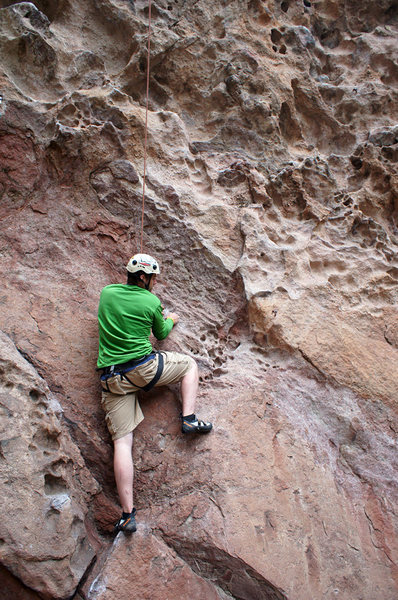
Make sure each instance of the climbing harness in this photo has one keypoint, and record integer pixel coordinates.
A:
(123, 368)
(153, 382)
(146, 121)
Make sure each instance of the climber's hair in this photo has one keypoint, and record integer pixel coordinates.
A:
(134, 278)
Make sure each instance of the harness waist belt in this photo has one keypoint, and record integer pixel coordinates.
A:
(127, 366)
(124, 368)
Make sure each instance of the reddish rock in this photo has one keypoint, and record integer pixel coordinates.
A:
(11, 587)
(271, 204)
(154, 571)
(45, 488)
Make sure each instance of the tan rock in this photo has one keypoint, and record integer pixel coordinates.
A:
(325, 337)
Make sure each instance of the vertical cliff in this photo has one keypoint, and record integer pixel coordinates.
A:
(271, 203)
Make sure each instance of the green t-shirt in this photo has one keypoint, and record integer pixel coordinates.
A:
(126, 316)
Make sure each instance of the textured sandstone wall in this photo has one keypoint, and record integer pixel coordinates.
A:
(271, 202)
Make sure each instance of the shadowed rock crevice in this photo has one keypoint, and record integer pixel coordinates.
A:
(227, 572)
(11, 587)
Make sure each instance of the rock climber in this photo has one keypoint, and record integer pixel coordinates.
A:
(127, 314)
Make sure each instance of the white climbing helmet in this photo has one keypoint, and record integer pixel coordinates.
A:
(143, 262)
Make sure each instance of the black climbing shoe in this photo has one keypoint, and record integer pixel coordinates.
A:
(196, 426)
(127, 525)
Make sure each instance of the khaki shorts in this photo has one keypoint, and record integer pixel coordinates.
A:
(119, 397)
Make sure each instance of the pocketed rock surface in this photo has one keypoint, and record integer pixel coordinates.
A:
(45, 486)
(271, 203)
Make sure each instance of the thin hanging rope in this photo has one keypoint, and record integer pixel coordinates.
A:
(146, 123)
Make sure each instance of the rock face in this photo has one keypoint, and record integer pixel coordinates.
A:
(45, 486)
(271, 203)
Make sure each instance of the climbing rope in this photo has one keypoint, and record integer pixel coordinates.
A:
(146, 122)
